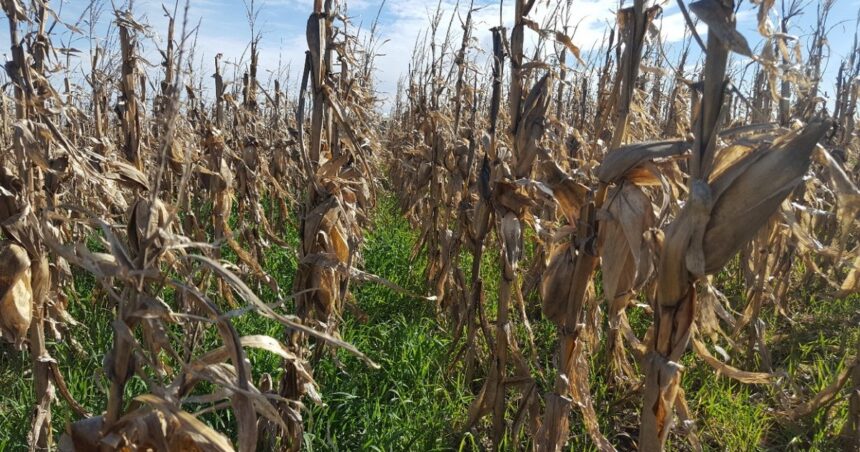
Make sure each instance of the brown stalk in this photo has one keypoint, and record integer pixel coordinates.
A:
(130, 116)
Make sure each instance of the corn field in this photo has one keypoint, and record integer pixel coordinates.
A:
(593, 225)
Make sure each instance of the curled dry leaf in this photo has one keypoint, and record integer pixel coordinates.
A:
(619, 161)
(720, 21)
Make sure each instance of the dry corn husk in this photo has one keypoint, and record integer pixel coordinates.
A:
(752, 189)
(16, 294)
(10, 185)
(532, 124)
(626, 260)
(555, 285)
(568, 193)
(145, 219)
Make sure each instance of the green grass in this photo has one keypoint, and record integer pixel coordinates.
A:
(418, 400)
(412, 401)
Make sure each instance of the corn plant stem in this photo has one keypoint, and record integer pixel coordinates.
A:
(554, 432)
(673, 317)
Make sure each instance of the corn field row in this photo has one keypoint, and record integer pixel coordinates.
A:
(635, 177)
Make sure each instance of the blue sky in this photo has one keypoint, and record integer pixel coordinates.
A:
(224, 28)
